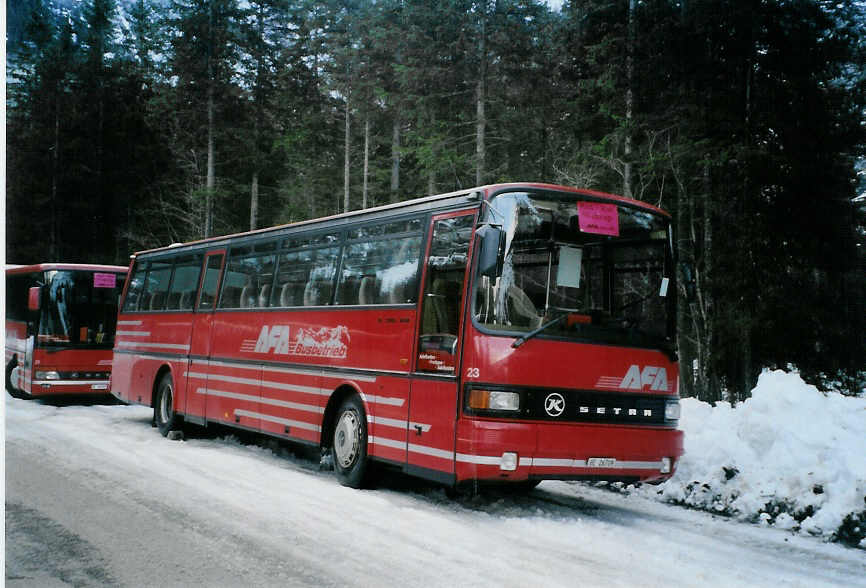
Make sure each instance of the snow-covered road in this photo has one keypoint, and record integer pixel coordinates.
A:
(94, 496)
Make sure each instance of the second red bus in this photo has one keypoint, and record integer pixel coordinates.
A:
(60, 328)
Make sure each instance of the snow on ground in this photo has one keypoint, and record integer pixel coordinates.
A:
(271, 517)
(789, 456)
(274, 518)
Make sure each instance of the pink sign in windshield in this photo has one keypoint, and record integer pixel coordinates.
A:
(598, 218)
(104, 280)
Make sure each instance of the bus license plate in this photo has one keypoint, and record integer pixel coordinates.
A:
(99, 386)
(601, 462)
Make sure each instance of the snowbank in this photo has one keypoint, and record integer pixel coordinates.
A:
(790, 456)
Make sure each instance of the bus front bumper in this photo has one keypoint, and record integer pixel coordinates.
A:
(69, 387)
(496, 451)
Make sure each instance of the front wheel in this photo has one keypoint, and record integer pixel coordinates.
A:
(349, 445)
(164, 416)
(10, 387)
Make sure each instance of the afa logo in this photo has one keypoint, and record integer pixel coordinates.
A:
(275, 338)
(655, 378)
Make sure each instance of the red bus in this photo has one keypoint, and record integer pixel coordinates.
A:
(60, 328)
(507, 333)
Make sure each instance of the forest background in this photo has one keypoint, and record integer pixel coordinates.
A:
(137, 123)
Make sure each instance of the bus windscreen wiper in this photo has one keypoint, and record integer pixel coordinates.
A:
(524, 338)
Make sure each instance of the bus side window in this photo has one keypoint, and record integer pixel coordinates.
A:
(136, 285)
(181, 294)
(322, 271)
(291, 279)
(156, 285)
(381, 267)
(245, 280)
(209, 284)
(359, 262)
(399, 278)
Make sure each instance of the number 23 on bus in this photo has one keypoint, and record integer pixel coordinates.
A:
(505, 334)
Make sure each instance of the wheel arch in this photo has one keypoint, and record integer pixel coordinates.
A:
(163, 369)
(342, 392)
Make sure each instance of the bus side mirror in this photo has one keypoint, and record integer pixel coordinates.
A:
(490, 257)
(688, 273)
(34, 298)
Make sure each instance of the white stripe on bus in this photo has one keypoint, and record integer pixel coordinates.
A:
(261, 400)
(411, 447)
(278, 420)
(68, 382)
(133, 333)
(387, 400)
(385, 442)
(544, 462)
(431, 451)
(548, 462)
(397, 423)
(314, 372)
(156, 345)
(478, 459)
(263, 383)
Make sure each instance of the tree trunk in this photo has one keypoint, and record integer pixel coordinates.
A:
(480, 96)
(346, 163)
(684, 340)
(211, 174)
(745, 254)
(366, 161)
(629, 101)
(480, 127)
(257, 126)
(709, 387)
(53, 239)
(254, 200)
(395, 160)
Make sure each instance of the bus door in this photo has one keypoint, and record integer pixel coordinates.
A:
(434, 384)
(200, 342)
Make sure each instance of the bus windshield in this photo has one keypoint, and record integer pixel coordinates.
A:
(581, 269)
(79, 309)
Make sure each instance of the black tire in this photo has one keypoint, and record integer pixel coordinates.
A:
(164, 416)
(349, 443)
(12, 390)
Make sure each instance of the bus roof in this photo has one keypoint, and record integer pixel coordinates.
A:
(42, 267)
(467, 196)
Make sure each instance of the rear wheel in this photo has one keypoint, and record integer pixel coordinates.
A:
(349, 445)
(164, 416)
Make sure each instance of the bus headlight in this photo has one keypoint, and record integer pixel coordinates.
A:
(52, 375)
(493, 400)
(672, 410)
